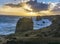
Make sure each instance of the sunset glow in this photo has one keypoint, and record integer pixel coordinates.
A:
(26, 10)
(26, 6)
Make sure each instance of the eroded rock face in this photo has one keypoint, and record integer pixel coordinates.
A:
(24, 24)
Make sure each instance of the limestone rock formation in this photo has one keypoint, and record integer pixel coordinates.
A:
(24, 24)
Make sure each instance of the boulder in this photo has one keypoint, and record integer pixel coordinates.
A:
(24, 24)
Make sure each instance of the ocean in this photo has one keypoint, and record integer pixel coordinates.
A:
(8, 24)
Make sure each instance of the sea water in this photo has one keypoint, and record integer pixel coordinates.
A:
(8, 24)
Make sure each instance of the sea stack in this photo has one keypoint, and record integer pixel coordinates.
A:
(24, 24)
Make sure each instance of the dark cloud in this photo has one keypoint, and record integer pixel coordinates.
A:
(38, 6)
(13, 5)
(34, 5)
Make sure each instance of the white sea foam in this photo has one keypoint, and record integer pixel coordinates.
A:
(41, 24)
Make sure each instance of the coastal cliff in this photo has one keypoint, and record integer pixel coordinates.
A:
(24, 24)
(26, 35)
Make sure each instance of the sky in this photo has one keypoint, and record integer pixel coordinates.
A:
(53, 8)
(9, 1)
(48, 1)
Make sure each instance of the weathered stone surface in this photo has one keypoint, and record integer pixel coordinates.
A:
(24, 24)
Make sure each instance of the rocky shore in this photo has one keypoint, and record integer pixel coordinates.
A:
(26, 35)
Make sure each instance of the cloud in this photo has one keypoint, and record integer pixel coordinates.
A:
(51, 5)
(13, 5)
(42, 8)
(56, 9)
(38, 6)
(35, 6)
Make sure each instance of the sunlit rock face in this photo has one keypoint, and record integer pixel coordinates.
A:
(24, 24)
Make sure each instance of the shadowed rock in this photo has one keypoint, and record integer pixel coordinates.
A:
(24, 24)
(11, 41)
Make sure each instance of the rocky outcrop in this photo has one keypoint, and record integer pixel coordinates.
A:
(24, 24)
(48, 35)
